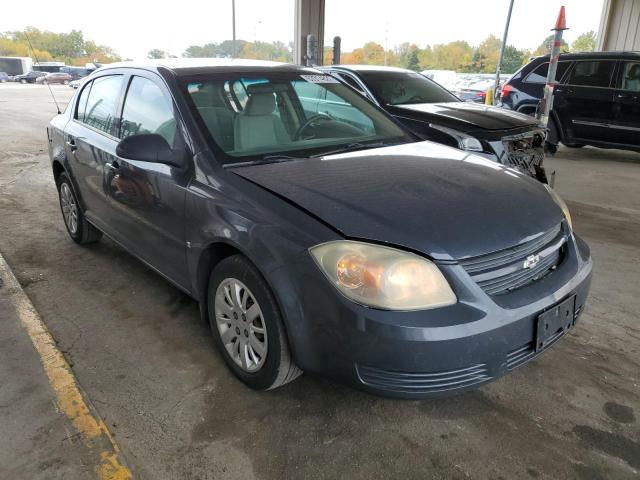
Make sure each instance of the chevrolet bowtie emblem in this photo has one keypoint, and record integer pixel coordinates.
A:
(531, 261)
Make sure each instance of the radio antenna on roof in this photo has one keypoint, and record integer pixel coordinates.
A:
(33, 54)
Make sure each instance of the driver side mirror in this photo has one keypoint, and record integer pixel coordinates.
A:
(150, 147)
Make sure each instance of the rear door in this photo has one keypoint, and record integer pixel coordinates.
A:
(147, 199)
(626, 110)
(90, 143)
(584, 101)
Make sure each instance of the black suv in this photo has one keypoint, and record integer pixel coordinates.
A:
(596, 101)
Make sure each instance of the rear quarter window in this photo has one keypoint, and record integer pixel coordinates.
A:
(539, 74)
(82, 102)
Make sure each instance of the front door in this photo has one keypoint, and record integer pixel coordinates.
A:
(584, 102)
(626, 109)
(147, 199)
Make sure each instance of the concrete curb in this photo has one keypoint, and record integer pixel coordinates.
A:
(69, 397)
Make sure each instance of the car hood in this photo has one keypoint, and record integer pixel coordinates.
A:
(427, 197)
(466, 116)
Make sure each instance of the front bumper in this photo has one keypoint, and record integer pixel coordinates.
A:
(430, 353)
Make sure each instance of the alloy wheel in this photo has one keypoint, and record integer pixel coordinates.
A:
(69, 208)
(241, 324)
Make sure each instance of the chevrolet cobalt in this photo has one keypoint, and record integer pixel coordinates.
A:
(333, 242)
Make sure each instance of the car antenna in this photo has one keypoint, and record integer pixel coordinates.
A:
(33, 54)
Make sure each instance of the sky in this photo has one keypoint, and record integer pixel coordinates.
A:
(132, 28)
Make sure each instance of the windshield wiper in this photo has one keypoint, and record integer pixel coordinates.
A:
(276, 158)
(352, 147)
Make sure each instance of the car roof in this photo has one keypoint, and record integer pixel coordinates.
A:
(369, 68)
(196, 66)
(583, 55)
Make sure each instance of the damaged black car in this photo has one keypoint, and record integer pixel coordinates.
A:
(433, 113)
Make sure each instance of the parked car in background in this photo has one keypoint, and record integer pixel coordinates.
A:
(4, 77)
(29, 77)
(318, 242)
(476, 91)
(55, 77)
(433, 113)
(446, 78)
(78, 72)
(596, 101)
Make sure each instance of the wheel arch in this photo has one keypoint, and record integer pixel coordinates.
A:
(210, 256)
(58, 169)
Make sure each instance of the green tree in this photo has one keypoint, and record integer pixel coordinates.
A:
(156, 53)
(457, 55)
(512, 59)
(413, 61)
(545, 47)
(487, 54)
(44, 45)
(585, 42)
(276, 51)
(425, 58)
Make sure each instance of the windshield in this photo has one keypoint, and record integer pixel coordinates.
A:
(276, 116)
(405, 88)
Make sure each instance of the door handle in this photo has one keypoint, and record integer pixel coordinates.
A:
(623, 95)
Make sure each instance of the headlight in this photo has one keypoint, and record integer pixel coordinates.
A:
(383, 277)
(560, 203)
(465, 142)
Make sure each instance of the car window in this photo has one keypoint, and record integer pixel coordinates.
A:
(285, 113)
(326, 102)
(631, 76)
(100, 111)
(350, 81)
(539, 74)
(82, 102)
(596, 73)
(405, 88)
(147, 110)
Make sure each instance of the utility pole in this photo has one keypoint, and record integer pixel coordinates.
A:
(502, 47)
(546, 104)
(233, 21)
(386, 39)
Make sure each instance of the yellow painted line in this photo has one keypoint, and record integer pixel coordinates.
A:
(69, 397)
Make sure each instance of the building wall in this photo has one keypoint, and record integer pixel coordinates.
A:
(620, 25)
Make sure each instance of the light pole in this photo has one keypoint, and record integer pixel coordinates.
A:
(502, 47)
(233, 22)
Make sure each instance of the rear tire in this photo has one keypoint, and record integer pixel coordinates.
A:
(79, 229)
(247, 325)
(552, 140)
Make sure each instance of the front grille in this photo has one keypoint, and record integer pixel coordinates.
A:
(525, 152)
(507, 270)
(402, 382)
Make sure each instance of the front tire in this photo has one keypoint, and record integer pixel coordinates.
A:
(79, 229)
(247, 325)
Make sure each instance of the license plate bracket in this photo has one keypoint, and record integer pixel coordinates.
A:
(555, 322)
